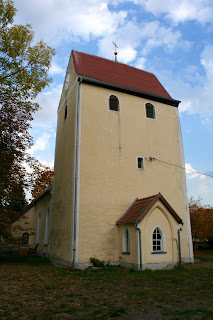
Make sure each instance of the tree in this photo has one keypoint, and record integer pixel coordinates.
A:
(23, 67)
(201, 220)
(43, 180)
(23, 74)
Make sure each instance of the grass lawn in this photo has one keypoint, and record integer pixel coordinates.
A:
(33, 288)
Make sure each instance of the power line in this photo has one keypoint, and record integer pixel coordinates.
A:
(174, 165)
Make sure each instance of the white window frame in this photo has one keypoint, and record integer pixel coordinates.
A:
(143, 167)
(126, 241)
(163, 240)
(38, 228)
(28, 235)
(119, 105)
(46, 234)
(154, 111)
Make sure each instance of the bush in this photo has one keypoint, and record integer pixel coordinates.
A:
(97, 262)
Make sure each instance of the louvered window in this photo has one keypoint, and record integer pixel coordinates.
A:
(150, 111)
(113, 103)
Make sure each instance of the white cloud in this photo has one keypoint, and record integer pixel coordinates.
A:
(160, 36)
(127, 54)
(190, 172)
(46, 117)
(207, 60)
(140, 63)
(56, 20)
(196, 95)
(202, 185)
(50, 164)
(40, 143)
(55, 69)
(179, 11)
(131, 36)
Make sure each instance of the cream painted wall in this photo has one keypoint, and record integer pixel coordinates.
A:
(61, 221)
(132, 257)
(159, 216)
(109, 180)
(42, 206)
(26, 222)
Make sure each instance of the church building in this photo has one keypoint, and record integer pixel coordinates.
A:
(119, 193)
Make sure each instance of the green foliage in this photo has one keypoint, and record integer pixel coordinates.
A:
(23, 74)
(97, 263)
(23, 67)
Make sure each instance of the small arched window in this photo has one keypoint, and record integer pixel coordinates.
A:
(157, 240)
(65, 112)
(150, 111)
(25, 239)
(114, 103)
(126, 241)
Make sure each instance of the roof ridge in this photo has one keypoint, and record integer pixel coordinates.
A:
(117, 62)
(154, 195)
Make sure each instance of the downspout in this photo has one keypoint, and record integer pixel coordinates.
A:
(180, 228)
(140, 244)
(76, 173)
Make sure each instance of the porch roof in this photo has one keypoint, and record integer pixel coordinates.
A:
(140, 207)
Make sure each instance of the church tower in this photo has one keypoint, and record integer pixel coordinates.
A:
(115, 196)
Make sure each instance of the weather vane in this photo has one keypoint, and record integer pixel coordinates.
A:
(115, 53)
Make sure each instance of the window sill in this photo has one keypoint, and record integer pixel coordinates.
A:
(159, 252)
(126, 252)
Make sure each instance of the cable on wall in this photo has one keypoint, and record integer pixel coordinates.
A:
(150, 159)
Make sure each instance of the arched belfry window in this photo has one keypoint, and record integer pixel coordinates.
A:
(150, 111)
(114, 103)
(126, 241)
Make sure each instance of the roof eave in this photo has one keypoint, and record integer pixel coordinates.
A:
(118, 221)
(137, 93)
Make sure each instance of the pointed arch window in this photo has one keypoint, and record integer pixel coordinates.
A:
(25, 239)
(126, 241)
(150, 111)
(114, 103)
(158, 240)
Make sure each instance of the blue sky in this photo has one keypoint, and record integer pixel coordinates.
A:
(173, 39)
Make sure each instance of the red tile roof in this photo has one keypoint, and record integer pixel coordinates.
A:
(140, 207)
(118, 74)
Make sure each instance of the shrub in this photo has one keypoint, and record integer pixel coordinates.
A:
(97, 262)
